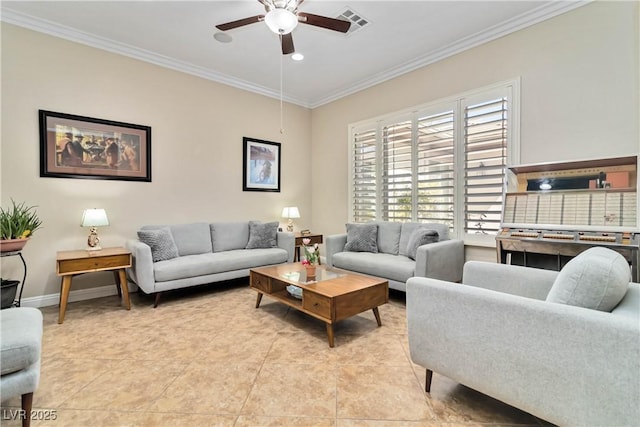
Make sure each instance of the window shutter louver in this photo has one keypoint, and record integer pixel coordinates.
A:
(364, 176)
(485, 157)
(435, 168)
(397, 185)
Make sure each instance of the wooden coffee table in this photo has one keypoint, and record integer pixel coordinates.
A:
(334, 295)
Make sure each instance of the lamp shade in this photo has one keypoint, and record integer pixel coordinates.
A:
(281, 21)
(94, 218)
(290, 212)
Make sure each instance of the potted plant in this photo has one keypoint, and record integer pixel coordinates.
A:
(17, 224)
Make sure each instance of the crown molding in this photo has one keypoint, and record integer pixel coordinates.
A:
(544, 12)
(54, 29)
(517, 23)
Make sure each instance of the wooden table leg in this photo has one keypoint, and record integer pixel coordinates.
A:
(330, 334)
(64, 296)
(125, 288)
(258, 299)
(377, 314)
(116, 276)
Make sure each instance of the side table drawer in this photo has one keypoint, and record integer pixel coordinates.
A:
(73, 266)
(317, 304)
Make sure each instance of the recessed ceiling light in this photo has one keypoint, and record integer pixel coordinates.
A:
(222, 37)
(297, 56)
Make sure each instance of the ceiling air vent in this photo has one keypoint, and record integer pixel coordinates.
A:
(357, 20)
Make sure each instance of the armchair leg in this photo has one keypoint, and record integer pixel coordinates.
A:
(157, 299)
(427, 383)
(27, 404)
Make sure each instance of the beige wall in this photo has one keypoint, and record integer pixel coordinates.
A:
(579, 97)
(579, 89)
(197, 129)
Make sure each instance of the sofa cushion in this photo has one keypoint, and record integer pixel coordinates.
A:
(262, 235)
(598, 278)
(219, 262)
(389, 237)
(183, 267)
(192, 239)
(392, 267)
(229, 235)
(161, 242)
(419, 237)
(409, 227)
(362, 238)
(248, 258)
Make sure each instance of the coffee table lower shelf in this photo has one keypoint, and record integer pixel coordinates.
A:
(329, 301)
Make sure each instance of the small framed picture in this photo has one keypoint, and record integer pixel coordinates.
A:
(305, 232)
(85, 147)
(261, 165)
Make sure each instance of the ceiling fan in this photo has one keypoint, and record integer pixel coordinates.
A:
(282, 17)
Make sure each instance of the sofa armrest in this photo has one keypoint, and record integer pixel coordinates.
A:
(141, 271)
(442, 260)
(287, 241)
(568, 365)
(512, 279)
(334, 244)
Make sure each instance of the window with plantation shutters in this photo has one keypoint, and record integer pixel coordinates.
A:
(363, 180)
(443, 162)
(485, 160)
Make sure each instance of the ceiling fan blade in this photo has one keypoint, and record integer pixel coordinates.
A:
(287, 44)
(266, 4)
(325, 22)
(240, 23)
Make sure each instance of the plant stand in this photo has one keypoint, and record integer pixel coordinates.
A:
(16, 302)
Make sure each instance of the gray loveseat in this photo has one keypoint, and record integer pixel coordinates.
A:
(184, 255)
(505, 333)
(391, 257)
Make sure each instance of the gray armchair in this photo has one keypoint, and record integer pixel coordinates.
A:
(497, 334)
(21, 342)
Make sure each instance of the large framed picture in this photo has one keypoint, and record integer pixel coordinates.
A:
(261, 165)
(85, 147)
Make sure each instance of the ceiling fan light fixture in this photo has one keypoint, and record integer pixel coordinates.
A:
(281, 21)
(297, 56)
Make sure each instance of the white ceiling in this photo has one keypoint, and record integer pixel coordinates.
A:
(401, 36)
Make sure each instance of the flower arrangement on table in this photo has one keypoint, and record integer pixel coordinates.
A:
(312, 256)
(311, 253)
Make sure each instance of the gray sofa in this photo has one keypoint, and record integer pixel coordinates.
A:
(501, 334)
(391, 258)
(204, 253)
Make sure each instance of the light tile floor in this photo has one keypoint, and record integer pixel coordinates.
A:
(208, 357)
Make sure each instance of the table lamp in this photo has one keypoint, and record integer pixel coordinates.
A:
(290, 212)
(94, 218)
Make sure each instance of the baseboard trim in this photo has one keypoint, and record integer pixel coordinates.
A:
(79, 295)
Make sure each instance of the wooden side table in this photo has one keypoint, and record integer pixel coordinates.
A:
(314, 237)
(72, 263)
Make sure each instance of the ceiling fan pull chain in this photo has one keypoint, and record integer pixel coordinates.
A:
(281, 90)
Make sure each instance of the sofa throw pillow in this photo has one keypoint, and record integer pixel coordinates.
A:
(419, 237)
(362, 238)
(262, 235)
(598, 278)
(161, 242)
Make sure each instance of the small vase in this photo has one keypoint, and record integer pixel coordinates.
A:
(311, 270)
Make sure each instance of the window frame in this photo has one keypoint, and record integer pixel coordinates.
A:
(508, 88)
